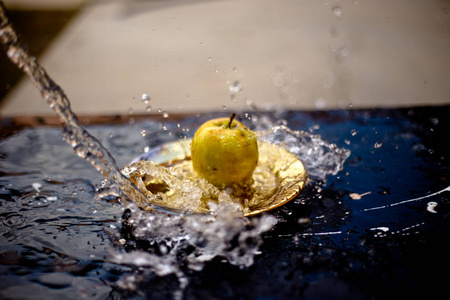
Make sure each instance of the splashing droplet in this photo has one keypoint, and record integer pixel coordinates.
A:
(430, 207)
(329, 81)
(278, 80)
(337, 11)
(296, 78)
(37, 186)
(320, 103)
(235, 87)
(356, 196)
(145, 98)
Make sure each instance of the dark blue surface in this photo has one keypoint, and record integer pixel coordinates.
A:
(327, 245)
(335, 247)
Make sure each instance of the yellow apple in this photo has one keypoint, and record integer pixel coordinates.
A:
(225, 152)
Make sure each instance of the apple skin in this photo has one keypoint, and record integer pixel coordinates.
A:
(225, 153)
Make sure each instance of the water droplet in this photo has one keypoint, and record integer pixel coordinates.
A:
(37, 186)
(435, 121)
(337, 11)
(304, 220)
(320, 103)
(143, 132)
(282, 122)
(145, 98)
(354, 132)
(384, 229)
(296, 78)
(344, 52)
(235, 87)
(356, 196)
(209, 59)
(278, 80)
(378, 145)
(165, 115)
(328, 81)
(334, 47)
(430, 207)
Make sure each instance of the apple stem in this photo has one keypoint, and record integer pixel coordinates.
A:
(233, 115)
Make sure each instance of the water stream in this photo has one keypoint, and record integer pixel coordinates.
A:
(83, 143)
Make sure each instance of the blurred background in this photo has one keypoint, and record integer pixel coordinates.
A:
(173, 56)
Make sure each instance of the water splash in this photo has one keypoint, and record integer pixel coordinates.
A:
(168, 244)
(176, 244)
(319, 157)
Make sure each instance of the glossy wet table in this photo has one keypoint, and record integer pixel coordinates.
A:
(377, 229)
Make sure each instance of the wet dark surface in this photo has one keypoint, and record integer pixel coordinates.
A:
(56, 235)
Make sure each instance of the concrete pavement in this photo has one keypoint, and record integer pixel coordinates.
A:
(194, 56)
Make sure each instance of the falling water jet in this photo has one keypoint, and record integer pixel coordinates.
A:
(83, 143)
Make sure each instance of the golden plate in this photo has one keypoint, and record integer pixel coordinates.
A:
(279, 177)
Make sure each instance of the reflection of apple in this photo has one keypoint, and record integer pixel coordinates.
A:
(224, 152)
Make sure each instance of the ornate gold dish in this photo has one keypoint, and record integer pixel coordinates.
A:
(279, 178)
